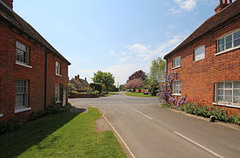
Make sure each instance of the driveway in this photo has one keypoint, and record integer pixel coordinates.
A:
(150, 131)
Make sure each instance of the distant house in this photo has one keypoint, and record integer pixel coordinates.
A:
(208, 61)
(33, 74)
(79, 84)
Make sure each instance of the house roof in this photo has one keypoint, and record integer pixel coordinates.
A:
(226, 14)
(16, 22)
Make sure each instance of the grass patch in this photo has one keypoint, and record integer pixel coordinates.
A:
(165, 105)
(138, 94)
(109, 94)
(62, 135)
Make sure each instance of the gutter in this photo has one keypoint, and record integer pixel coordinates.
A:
(45, 81)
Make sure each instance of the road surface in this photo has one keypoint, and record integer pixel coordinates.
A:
(150, 131)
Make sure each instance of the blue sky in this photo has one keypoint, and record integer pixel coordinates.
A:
(117, 36)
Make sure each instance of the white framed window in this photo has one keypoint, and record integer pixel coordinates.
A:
(58, 68)
(199, 53)
(177, 62)
(176, 87)
(57, 93)
(21, 94)
(228, 42)
(227, 92)
(22, 53)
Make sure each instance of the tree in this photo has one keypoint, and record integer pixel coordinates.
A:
(105, 78)
(138, 74)
(121, 87)
(157, 70)
(134, 84)
(96, 86)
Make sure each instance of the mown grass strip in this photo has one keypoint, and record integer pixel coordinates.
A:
(62, 135)
(138, 94)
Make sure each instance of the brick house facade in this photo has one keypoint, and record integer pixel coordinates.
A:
(32, 73)
(208, 61)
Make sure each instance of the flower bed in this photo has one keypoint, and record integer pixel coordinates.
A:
(207, 111)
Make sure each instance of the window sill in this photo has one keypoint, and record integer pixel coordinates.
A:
(1, 115)
(22, 64)
(176, 94)
(176, 67)
(198, 60)
(227, 105)
(58, 75)
(228, 50)
(18, 110)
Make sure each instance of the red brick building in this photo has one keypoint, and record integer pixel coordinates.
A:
(32, 73)
(208, 61)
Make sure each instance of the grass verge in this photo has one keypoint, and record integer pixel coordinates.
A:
(62, 135)
(138, 94)
(110, 93)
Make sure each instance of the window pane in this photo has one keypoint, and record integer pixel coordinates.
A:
(220, 92)
(236, 93)
(236, 85)
(229, 42)
(236, 35)
(199, 53)
(220, 98)
(228, 85)
(236, 42)
(221, 45)
(228, 98)
(228, 92)
(219, 85)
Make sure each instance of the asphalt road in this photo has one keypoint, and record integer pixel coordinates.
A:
(152, 131)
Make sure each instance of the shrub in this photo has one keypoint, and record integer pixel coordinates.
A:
(9, 126)
(96, 86)
(207, 111)
(52, 109)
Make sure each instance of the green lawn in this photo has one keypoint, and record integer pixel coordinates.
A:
(110, 93)
(137, 94)
(62, 135)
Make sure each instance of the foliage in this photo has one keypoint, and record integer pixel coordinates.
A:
(74, 92)
(157, 70)
(70, 88)
(96, 86)
(9, 126)
(121, 87)
(52, 109)
(206, 111)
(105, 78)
(95, 92)
(138, 74)
(62, 135)
(134, 84)
(154, 89)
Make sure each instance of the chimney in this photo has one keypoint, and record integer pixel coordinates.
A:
(7, 3)
(222, 5)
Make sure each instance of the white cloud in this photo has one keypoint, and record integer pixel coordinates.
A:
(138, 48)
(113, 53)
(124, 59)
(184, 5)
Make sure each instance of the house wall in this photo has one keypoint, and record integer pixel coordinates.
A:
(198, 78)
(10, 71)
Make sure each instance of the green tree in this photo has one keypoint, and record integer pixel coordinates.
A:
(157, 70)
(105, 78)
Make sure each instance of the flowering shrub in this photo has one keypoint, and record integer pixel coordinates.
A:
(165, 91)
(207, 111)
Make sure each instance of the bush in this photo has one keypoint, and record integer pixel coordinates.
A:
(95, 92)
(52, 109)
(207, 111)
(9, 126)
(96, 86)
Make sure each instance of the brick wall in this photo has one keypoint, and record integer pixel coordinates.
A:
(198, 78)
(10, 71)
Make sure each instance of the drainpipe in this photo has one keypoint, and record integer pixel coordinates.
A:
(45, 82)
